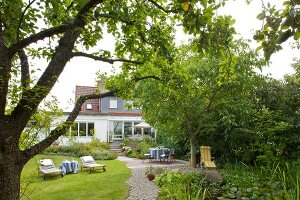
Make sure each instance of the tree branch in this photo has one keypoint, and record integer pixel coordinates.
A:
(112, 16)
(211, 100)
(25, 75)
(32, 98)
(5, 66)
(43, 34)
(63, 128)
(162, 8)
(22, 16)
(147, 77)
(79, 21)
(108, 60)
(2, 42)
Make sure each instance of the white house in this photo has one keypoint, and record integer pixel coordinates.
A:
(107, 119)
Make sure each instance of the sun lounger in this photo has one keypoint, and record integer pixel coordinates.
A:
(48, 168)
(89, 162)
(206, 159)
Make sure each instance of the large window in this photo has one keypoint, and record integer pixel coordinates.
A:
(128, 129)
(82, 129)
(113, 103)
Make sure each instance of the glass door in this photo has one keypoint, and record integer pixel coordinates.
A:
(117, 130)
(128, 129)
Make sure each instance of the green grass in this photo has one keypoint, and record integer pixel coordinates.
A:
(97, 185)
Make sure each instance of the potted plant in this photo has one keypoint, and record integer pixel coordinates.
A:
(150, 173)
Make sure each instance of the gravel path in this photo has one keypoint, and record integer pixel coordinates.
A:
(141, 187)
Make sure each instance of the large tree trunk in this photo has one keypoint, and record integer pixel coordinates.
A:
(10, 173)
(193, 151)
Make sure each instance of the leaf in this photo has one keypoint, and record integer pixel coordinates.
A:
(204, 3)
(258, 48)
(261, 16)
(297, 35)
(284, 36)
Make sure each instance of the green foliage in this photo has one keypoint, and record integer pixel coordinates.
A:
(259, 127)
(143, 34)
(279, 24)
(279, 181)
(39, 124)
(98, 144)
(103, 154)
(243, 116)
(177, 186)
(154, 170)
(96, 149)
(197, 91)
(137, 147)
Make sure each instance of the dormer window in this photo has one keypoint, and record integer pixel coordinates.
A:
(113, 103)
(89, 106)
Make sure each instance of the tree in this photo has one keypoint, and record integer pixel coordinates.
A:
(185, 102)
(56, 31)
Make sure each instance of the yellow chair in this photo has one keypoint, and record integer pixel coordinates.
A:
(206, 159)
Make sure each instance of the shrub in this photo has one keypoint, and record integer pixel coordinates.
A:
(104, 155)
(177, 186)
(137, 146)
(97, 143)
(96, 148)
(154, 170)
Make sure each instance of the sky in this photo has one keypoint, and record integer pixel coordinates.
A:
(82, 71)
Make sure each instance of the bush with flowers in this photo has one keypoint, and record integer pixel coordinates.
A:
(137, 147)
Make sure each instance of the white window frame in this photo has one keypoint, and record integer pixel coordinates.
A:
(113, 103)
(86, 128)
(89, 106)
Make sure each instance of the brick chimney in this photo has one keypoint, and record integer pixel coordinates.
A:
(91, 105)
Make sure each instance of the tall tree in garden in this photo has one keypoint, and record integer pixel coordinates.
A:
(184, 103)
(58, 31)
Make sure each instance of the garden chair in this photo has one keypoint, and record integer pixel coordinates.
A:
(206, 159)
(172, 155)
(166, 155)
(89, 162)
(147, 156)
(48, 168)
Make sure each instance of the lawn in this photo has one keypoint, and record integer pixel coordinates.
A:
(97, 185)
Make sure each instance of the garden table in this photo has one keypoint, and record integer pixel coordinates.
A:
(157, 152)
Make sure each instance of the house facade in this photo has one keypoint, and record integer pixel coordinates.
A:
(107, 119)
